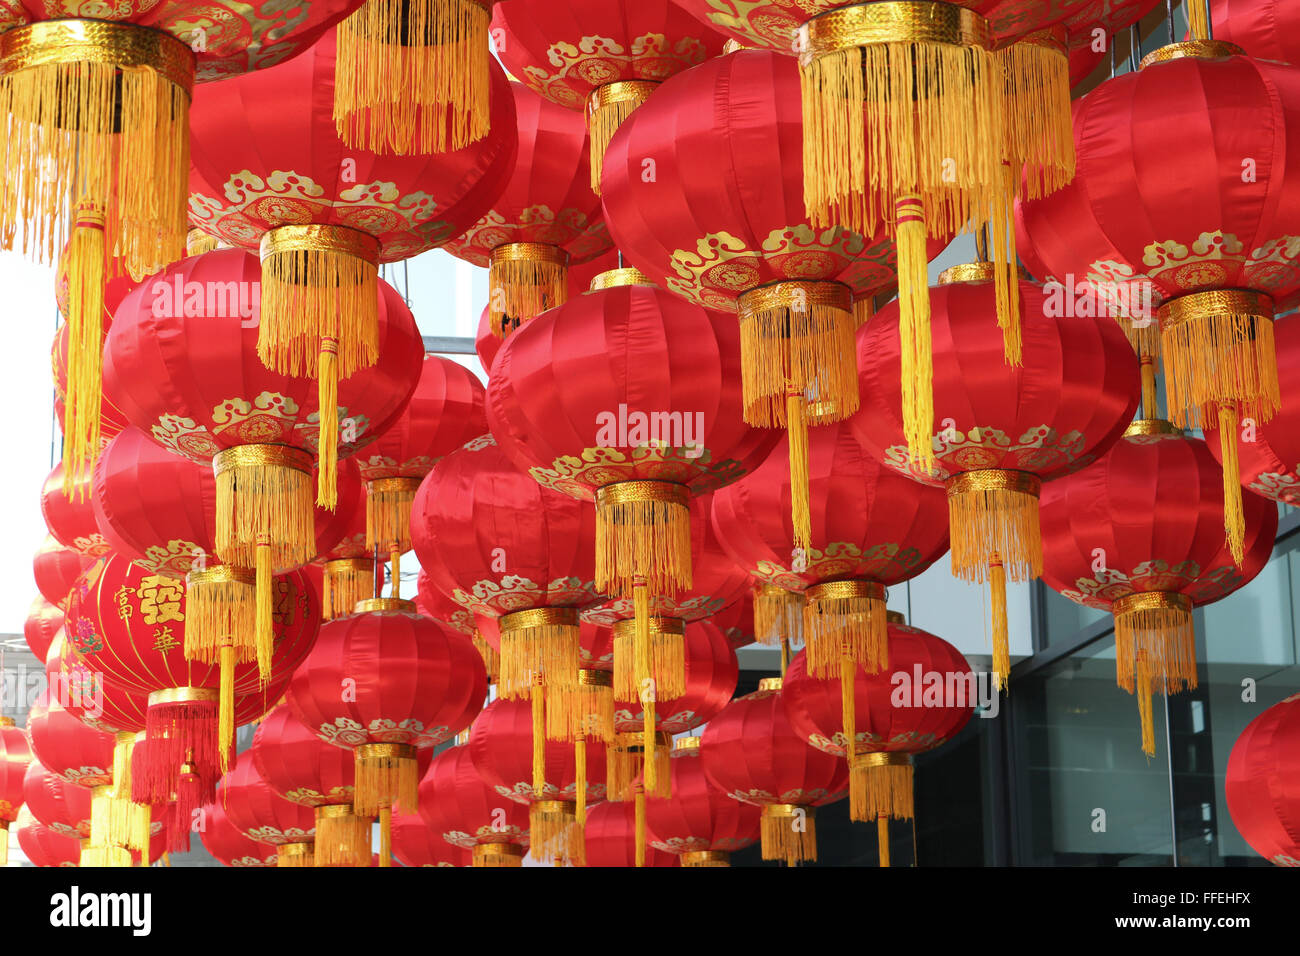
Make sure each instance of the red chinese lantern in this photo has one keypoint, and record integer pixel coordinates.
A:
(55, 568)
(603, 58)
(269, 169)
(612, 838)
(228, 845)
(15, 756)
(111, 183)
(66, 507)
(700, 230)
(83, 694)
(737, 621)
(459, 807)
(129, 626)
(923, 701)
(414, 844)
(1001, 431)
(699, 823)
(518, 556)
(1263, 28)
(871, 528)
(630, 396)
(94, 426)
(445, 411)
(62, 807)
(304, 769)
(1269, 454)
(44, 620)
(918, 119)
(181, 369)
(413, 77)
(1260, 784)
(263, 816)
(505, 747)
(1139, 534)
(1222, 265)
(42, 846)
(546, 218)
(410, 684)
(752, 753)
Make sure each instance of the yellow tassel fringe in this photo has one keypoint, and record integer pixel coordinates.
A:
(846, 617)
(1234, 517)
(880, 790)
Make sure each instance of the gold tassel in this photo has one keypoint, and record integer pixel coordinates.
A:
(553, 832)
(649, 721)
(127, 153)
(347, 581)
(198, 242)
(1148, 368)
(1006, 285)
(1234, 517)
(1001, 632)
(113, 820)
(539, 739)
(1157, 628)
(608, 106)
(626, 760)
(785, 657)
(848, 705)
(1035, 112)
(220, 611)
(778, 615)
(538, 644)
(385, 836)
(342, 837)
(295, 854)
(643, 531)
(395, 572)
(584, 710)
(864, 310)
(639, 808)
(1146, 714)
(388, 513)
(226, 707)
(882, 840)
(412, 77)
(798, 337)
(1198, 18)
(327, 440)
(797, 430)
(914, 333)
(880, 784)
(840, 613)
(386, 776)
(498, 855)
(263, 636)
(658, 665)
(524, 280)
(580, 779)
(86, 277)
(789, 832)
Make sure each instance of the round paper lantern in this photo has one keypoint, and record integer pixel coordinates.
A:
(546, 218)
(629, 396)
(711, 675)
(68, 513)
(268, 168)
(871, 528)
(44, 620)
(1221, 265)
(62, 807)
(1269, 454)
(1139, 534)
(753, 754)
(1258, 784)
(304, 769)
(955, 108)
(43, 846)
(129, 626)
(413, 684)
(181, 369)
(263, 816)
(15, 756)
(1263, 28)
(699, 822)
(348, 568)
(698, 229)
(602, 58)
(557, 787)
(112, 182)
(83, 694)
(228, 845)
(611, 838)
(924, 700)
(55, 568)
(502, 546)
(445, 411)
(459, 807)
(1001, 431)
(414, 844)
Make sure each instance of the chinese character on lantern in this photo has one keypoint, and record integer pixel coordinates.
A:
(163, 640)
(160, 599)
